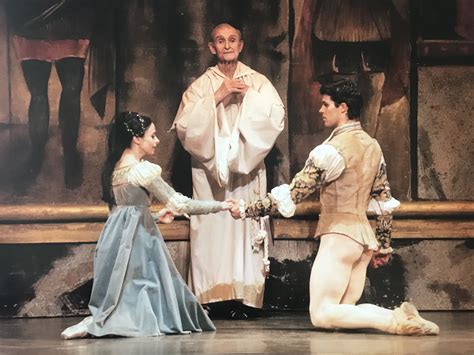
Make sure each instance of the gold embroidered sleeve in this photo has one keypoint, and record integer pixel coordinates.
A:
(260, 208)
(381, 187)
(383, 225)
(307, 181)
(383, 232)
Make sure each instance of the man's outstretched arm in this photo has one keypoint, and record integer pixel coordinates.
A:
(324, 165)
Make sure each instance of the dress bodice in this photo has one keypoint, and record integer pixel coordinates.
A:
(137, 184)
(125, 192)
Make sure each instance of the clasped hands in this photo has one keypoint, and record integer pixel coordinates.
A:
(233, 207)
(229, 87)
(165, 215)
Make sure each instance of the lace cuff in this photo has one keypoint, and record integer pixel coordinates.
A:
(183, 205)
(178, 204)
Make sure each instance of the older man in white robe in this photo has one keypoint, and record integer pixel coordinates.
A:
(228, 120)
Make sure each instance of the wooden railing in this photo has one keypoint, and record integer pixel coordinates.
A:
(21, 224)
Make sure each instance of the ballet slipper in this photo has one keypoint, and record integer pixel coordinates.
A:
(78, 330)
(404, 326)
(429, 328)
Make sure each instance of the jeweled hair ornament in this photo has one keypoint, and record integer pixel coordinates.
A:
(141, 131)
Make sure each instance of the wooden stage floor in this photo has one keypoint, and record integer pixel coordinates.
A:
(278, 332)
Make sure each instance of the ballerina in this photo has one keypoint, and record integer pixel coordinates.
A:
(137, 290)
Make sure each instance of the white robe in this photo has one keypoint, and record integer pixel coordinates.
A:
(227, 144)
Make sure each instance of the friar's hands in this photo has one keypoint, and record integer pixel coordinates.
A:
(228, 87)
(379, 259)
(165, 216)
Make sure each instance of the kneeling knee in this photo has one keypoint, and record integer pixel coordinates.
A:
(321, 317)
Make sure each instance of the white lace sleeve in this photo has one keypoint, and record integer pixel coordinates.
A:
(185, 205)
(148, 175)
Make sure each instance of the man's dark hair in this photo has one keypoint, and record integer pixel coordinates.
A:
(344, 91)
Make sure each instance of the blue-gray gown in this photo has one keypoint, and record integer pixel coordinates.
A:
(137, 289)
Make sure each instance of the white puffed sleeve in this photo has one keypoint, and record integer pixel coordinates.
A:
(327, 158)
(383, 207)
(143, 173)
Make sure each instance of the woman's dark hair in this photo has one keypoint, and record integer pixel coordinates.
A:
(345, 91)
(123, 128)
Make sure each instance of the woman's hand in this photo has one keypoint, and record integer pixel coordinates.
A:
(165, 216)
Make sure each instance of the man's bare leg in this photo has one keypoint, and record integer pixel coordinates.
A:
(356, 286)
(330, 281)
(357, 281)
(330, 278)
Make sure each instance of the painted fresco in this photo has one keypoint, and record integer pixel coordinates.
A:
(139, 55)
(96, 57)
(445, 20)
(152, 50)
(445, 102)
(60, 86)
(367, 41)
